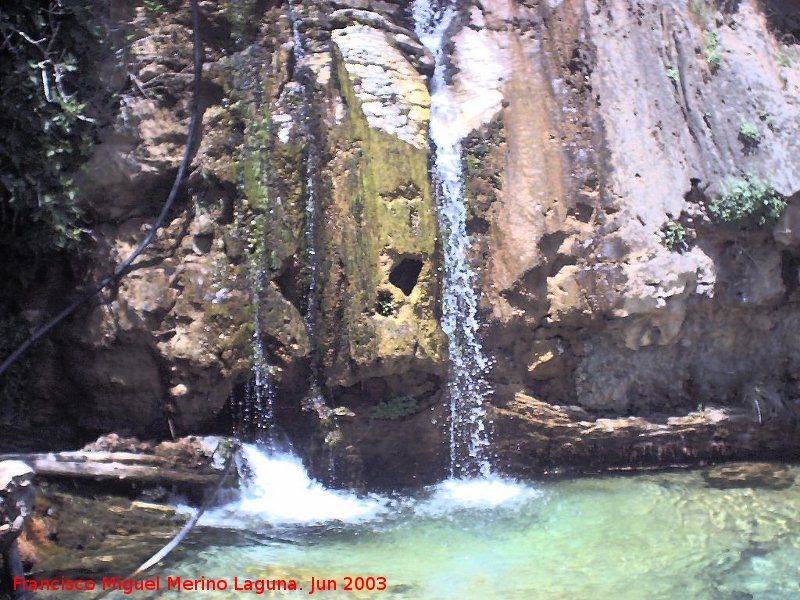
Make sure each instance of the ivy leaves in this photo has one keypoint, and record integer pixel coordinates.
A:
(47, 134)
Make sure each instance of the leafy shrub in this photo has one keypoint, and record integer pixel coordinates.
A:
(155, 7)
(394, 409)
(45, 78)
(749, 133)
(713, 54)
(749, 201)
(674, 236)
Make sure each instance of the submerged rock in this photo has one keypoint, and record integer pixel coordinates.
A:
(772, 476)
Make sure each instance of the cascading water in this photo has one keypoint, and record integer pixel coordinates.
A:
(314, 400)
(279, 491)
(256, 414)
(252, 409)
(467, 386)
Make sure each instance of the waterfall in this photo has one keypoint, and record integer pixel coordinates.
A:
(466, 387)
(278, 491)
(303, 75)
(252, 409)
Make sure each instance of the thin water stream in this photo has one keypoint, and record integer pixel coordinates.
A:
(665, 536)
(466, 386)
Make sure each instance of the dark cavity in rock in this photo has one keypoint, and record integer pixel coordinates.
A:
(405, 275)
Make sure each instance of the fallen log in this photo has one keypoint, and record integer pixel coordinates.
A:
(115, 466)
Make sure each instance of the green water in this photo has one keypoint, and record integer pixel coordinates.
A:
(653, 536)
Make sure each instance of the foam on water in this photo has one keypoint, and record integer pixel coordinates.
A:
(476, 494)
(281, 492)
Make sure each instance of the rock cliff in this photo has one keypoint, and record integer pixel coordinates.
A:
(627, 323)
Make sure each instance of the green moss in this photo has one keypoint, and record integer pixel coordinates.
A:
(389, 212)
(394, 409)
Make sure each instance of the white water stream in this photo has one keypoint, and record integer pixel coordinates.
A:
(279, 492)
(467, 385)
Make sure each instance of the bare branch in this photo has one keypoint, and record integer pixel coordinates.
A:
(30, 40)
(45, 82)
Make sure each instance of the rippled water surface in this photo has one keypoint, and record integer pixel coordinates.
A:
(654, 536)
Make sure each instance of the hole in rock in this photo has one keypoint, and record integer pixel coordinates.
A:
(790, 271)
(405, 275)
(582, 211)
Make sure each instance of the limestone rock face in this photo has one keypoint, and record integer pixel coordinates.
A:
(534, 436)
(390, 93)
(341, 122)
(626, 324)
(612, 124)
(382, 252)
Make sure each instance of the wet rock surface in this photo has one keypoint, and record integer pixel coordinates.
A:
(531, 437)
(89, 533)
(756, 475)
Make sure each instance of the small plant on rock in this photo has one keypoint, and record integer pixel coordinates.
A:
(703, 11)
(394, 409)
(750, 201)
(749, 134)
(385, 305)
(768, 119)
(673, 75)
(674, 236)
(155, 7)
(713, 54)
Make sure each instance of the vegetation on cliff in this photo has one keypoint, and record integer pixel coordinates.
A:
(748, 201)
(44, 108)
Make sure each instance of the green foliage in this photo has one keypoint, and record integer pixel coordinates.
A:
(44, 79)
(155, 7)
(749, 133)
(394, 409)
(385, 307)
(703, 10)
(673, 75)
(674, 235)
(749, 202)
(713, 54)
